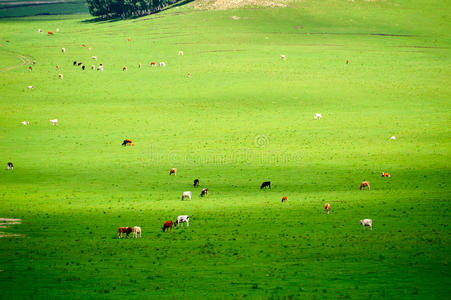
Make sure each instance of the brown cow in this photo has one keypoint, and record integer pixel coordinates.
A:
(173, 171)
(327, 208)
(50, 32)
(126, 230)
(30, 68)
(384, 174)
(167, 225)
(124, 68)
(204, 192)
(284, 199)
(365, 184)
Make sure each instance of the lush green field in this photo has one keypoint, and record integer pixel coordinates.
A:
(245, 116)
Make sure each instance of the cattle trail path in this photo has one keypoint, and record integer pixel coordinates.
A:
(5, 223)
(25, 61)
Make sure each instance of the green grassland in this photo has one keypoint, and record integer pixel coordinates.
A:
(245, 116)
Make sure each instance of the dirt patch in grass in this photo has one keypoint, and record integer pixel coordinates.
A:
(231, 4)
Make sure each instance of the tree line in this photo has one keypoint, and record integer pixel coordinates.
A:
(126, 8)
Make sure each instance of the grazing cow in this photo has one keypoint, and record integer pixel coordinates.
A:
(365, 184)
(153, 64)
(25, 123)
(196, 183)
(384, 174)
(284, 199)
(167, 225)
(83, 45)
(283, 56)
(57, 67)
(50, 32)
(317, 116)
(34, 62)
(127, 142)
(124, 68)
(30, 68)
(327, 208)
(189, 75)
(60, 76)
(204, 192)
(30, 87)
(57, 30)
(367, 222)
(75, 62)
(79, 64)
(129, 39)
(186, 195)
(94, 57)
(93, 67)
(126, 230)
(182, 219)
(54, 122)
(266, 184)
(100, 68)
(136, 232)
(83, 67)
(10, 166)
(347, 61)
(90, 48)
(39, 30)
(162, 64)
(63, 50)
(139, 66)
(393, 137)
(173, 171)
(180, 53)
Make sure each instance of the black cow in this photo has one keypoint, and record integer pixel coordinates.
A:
(266, 184)
(79, 64)
(196, 183)
(75, 62)
(83, 68)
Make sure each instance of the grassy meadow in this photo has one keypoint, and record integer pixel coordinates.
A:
(244, 117)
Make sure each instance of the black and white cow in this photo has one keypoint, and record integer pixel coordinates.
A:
(182, 219)
(10, 166)
(196, 183)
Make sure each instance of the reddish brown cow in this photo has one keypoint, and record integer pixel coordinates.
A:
(365, 184)
(50, 32)
(173, 171)
(384, 174)
(167, 225)
(327, 208)
(284, 199)
(153, 64)
(126, 230)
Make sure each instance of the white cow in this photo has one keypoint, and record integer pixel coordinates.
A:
(136, 232)
(162, 64)
(54, 122)
(393, 138)
(182, 219)
(283, 56)
(63, 50)
(25, 123)
(60, 76)
(318, 116)
(30, 87)
(180, 53)
(94, 57)
(100, 68)
(186, 195)
(367, 222)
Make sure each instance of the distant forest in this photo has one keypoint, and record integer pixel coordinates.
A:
(126, 8)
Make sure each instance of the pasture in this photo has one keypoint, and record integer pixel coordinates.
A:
(244, 116)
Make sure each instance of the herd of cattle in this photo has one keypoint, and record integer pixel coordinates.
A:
(167, 226)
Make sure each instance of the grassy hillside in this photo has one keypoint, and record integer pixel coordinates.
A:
(245, 116)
